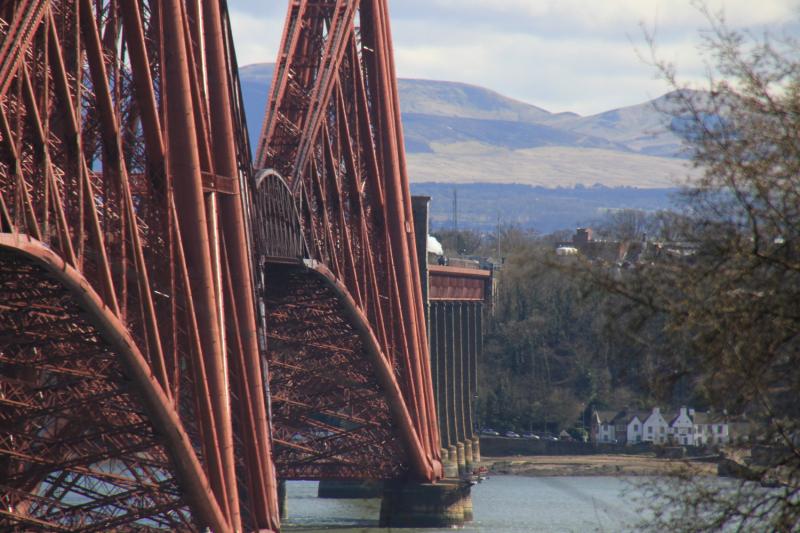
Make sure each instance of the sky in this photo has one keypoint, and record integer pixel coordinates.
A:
(584, 56)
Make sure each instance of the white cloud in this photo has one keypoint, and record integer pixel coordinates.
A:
(577, 55)
(608, 13)
(256, 37)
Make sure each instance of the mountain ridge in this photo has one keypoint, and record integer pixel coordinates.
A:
(460, 132)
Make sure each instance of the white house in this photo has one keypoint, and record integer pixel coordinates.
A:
(635, 425)
(710, 429)
(603, 430)
(686, 428)
(682, 427)
(655, 429)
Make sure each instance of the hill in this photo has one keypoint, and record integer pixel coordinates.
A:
(462, 133)
(453, 99)
(643, 128)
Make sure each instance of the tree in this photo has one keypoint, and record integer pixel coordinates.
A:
(624, 225)
(545, 355)
(461, 242)
(721, 310)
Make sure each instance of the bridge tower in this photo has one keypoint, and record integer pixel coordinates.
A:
(345, 325)
(131, 391)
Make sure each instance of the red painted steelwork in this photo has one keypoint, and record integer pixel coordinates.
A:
(72, 302)
(332, 140)
(457, 284)
(131, 390)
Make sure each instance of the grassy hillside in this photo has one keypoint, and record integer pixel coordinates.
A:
(549, 166)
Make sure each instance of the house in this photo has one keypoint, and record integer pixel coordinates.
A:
(634, 429)
(603, 430)
(686, 428)
(621, 426)
(702, 435)
(690, 428)
(710, 429)
(655, 428)
(682, 427)
(626, 429)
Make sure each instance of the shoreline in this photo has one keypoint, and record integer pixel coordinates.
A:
(594, 465)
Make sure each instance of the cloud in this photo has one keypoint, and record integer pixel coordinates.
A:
(257, 36)
(575, 55)
(605, 18)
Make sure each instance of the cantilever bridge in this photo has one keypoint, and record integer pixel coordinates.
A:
(180, 328)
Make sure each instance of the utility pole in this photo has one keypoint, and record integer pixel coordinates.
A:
(455, 210)
(455, 221)
(498, 239)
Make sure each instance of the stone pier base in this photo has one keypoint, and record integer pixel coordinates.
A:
(466, 504)
(468, 455)
(449, 464)
(284, 514)
(425, 505)
(461, 458)
(350, 488)
(476, 449)
(453, 454)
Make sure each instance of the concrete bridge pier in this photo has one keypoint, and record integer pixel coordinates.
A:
(426, 505)
(476, 344)
(282, 509)
(461, 458)
(451, 324)
(471, 339)
(452, 466)
(449, 463)
(468, 457)
(442, 383)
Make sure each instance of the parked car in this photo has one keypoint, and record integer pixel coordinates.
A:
(530, 435)
(490, 432)
(512, 434)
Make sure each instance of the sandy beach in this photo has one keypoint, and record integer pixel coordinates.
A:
(593, 465)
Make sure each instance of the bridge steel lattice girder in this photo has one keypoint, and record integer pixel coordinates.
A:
(123, 151)
(332, 140)
(160, 408)
(383, 371)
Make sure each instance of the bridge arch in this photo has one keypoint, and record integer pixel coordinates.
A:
(338, 408)
(72, 409)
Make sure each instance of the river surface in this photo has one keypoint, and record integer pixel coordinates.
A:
(501, 504)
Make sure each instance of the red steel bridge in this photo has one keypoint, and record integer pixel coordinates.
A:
(179, 327)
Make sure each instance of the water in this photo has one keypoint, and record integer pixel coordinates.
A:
(510, 504)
